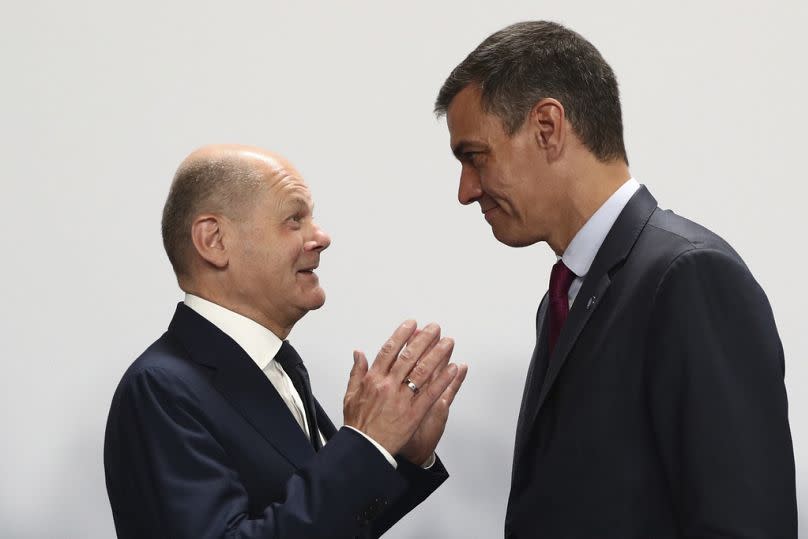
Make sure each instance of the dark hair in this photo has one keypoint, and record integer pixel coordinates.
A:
(224, 185)
(528, 61)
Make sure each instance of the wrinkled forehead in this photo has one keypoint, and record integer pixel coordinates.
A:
(286, 185)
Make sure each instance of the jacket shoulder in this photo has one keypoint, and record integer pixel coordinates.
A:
(666, 241)
(167, 363)
(676, 235)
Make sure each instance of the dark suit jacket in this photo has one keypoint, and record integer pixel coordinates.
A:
(662, 411)
(199, 444)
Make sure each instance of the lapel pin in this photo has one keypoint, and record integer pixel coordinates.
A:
(590, 302)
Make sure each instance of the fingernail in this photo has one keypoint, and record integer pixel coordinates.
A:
(409, 324)
(452, 368)
(356, 356)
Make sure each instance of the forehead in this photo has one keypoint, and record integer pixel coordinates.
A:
(467, 121)
(285, 185)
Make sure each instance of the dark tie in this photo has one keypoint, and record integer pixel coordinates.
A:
(292, 364)
(560, 280)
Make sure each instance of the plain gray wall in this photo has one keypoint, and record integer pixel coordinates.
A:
(100, 100)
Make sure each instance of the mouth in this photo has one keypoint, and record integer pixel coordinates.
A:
(486, 209)
(308, 271)
(489, 212)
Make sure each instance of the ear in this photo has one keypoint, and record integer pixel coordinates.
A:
(207, 234)
(548, 118)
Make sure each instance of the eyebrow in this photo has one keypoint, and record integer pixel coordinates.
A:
(298, 203)
(462, 147)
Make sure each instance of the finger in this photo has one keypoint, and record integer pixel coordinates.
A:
(358, 371)
(431, 346)
(390, 349)
(428, 348)
(414, 351)
(450, 392)
(416, 332)
(421, 374)
(424, 400)
(440, 408)
(435, 372)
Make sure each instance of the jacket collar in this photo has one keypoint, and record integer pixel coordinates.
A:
(612, 253)
(242, 383)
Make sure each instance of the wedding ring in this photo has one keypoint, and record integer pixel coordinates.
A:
(411, 385)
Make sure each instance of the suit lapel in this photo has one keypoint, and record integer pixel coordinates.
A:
(242, 383)
(614, 250)
(585, 304)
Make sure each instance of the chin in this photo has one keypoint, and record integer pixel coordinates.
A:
(316, 300)
(513, 238)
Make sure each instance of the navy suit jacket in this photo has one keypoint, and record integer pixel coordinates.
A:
(661, 412)
(199, 445)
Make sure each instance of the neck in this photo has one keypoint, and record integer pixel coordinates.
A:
(214, 295)
(588, 186)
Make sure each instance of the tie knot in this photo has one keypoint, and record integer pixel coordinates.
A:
(561, 278)
(287, 357)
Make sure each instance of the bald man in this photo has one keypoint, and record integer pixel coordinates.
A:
(214, 432)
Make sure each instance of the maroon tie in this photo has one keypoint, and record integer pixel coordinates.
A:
(560, 280)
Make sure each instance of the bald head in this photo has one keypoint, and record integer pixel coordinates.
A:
(222, 179)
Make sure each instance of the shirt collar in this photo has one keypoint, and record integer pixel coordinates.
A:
(259, 343)
(585, 245)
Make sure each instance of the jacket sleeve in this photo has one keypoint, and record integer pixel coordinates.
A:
(718, 403)
(420, 484)
(177, 481)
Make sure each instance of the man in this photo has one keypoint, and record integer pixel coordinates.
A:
(654, 405)
(214, 432)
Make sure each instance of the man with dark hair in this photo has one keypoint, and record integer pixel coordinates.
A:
(214, 430)
(654, 405)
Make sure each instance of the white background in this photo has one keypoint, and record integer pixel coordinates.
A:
(100, 101)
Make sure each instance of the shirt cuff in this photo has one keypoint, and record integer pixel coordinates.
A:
(429, 462)
(382, 450)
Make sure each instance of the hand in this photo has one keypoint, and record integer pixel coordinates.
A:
(425, 439)
(377, 402)
(423, 442)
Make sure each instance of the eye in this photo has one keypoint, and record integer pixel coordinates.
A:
(473, 158)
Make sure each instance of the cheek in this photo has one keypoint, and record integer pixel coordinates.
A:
(497, 182)
(291, 253)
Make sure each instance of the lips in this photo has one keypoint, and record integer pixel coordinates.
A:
(308, 270)
(486, 205)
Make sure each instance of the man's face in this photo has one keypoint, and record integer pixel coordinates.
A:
(276, 248)
(507, 175)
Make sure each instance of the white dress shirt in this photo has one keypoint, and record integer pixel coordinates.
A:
(262, 345)
(585, 245)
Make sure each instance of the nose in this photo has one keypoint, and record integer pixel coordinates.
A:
(320, 240)
(470, 189)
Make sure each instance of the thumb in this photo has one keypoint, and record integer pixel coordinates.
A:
(358, 371)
